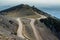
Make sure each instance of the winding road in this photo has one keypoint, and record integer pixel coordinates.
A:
(34, 30)
(19, 31)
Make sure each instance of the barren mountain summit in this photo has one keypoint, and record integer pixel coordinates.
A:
(24, 22)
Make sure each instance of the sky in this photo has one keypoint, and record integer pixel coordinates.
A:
(44, 2)
(9, 3)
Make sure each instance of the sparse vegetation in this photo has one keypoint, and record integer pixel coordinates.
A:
(25, 13)
(53, 24)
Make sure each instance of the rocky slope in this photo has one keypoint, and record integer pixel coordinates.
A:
(23, 22)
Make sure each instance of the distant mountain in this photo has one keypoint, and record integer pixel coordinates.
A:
(24, 22)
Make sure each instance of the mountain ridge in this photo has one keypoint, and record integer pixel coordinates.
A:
(29, 23)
